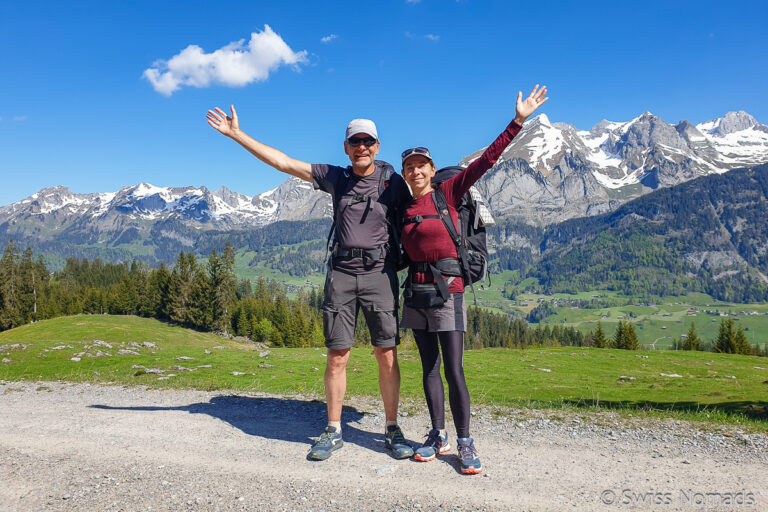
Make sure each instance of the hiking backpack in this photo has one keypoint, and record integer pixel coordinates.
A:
(340, 193)
(469, 239)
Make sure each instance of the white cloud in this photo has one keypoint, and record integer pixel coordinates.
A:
(431, 37)
(412, 1)
(20, 118)
(234, 65)
(329, 38)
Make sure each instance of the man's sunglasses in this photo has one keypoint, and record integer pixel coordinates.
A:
(356, 141)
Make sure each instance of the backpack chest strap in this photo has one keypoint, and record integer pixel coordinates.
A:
(360, 198)
(418, 218)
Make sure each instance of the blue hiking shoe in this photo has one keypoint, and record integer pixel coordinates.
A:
(468, 458)
(328, 442)
(395, 442)
(434, 445)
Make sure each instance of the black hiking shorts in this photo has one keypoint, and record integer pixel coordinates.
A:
(376, 293)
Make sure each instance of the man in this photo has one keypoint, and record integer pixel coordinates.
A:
(368, 198)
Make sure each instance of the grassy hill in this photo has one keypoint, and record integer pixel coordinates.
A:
(138, 351)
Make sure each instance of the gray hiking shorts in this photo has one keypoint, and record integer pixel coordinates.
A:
(375, 293)
(451, 316)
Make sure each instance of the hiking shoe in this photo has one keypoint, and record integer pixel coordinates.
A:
(395, 442)
(468, 458)
(327, 443)
(434, 444)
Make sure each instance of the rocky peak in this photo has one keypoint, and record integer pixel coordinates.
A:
(734, 122)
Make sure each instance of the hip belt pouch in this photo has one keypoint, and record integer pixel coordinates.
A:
(423, 296)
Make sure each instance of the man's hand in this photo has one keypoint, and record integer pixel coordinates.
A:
(229, 126)
(222, 122)
(524, 109)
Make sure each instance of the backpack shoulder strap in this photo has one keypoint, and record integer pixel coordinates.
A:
(338, 191)
(461, 250)
(384, 178)
(441, 205)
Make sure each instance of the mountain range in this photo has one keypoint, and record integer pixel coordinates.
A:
(550, 173)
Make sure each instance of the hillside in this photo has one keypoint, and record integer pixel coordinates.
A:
(709, 234)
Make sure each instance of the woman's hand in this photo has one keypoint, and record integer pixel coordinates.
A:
(525, 108)
(222, 122)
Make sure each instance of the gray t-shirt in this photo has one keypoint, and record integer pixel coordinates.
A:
(357, 225)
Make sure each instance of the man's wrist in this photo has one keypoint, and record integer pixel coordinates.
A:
(520, 120)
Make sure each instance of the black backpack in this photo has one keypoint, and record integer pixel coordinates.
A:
(470, 238)
(340, 193)
(470, 241)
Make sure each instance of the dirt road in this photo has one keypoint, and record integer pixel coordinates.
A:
(94, 447)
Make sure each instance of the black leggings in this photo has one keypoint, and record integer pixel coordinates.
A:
(452, 343)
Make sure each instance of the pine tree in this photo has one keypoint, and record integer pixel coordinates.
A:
(618, 336)
(159, 291)
(10, 310)
(243, 324)
(27, 290)
(598, 338)
(692, 341)
(726, 342)
(630, 337)
(199, 312)
(223, 286)
(741, 344)
(180, 287)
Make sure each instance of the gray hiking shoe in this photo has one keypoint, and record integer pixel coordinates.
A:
(396, 443)
(434, 445)
(328, 442)
(468, 458)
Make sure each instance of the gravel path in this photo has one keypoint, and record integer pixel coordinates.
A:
(97, 447)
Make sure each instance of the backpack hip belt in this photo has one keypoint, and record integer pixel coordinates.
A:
(445, 266)
(377, 254)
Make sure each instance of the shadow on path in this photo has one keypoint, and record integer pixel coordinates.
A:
(282, 419)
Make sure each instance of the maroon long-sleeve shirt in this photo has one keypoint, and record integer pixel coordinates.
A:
(429, 241)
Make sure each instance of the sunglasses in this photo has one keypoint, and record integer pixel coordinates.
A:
(416, 151)
(356, 141)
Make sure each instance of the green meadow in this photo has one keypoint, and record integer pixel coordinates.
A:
(128, 350)
(657, 326)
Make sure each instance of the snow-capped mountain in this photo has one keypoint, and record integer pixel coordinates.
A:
(145, 203)
(550, 172)
(553, 171)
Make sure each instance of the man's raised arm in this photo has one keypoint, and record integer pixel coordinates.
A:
(230, 126)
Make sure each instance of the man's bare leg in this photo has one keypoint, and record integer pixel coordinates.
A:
(389, 380)
(336, 382)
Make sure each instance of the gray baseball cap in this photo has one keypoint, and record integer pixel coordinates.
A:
(365, 126)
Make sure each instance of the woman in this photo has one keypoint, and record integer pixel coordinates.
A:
(426, 240)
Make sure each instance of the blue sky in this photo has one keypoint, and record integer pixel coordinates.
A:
(77, 108)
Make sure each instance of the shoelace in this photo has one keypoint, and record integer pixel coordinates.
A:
(432, 440)
(467, 451)
(397, 436)
(326, 438)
